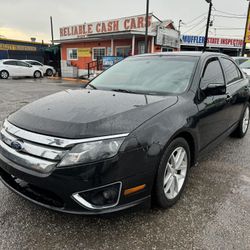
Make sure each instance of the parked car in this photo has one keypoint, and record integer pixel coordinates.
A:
(244, 64)
(47, 70)
(16, 68)
(132, 134)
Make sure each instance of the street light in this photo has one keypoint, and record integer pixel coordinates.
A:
(146, 31)
(208, 23)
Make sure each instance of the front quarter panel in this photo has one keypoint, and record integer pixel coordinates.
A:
(154, 135)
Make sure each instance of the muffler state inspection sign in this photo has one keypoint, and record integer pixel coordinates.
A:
(137, 23)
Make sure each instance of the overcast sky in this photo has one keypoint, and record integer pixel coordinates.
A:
(22, 19)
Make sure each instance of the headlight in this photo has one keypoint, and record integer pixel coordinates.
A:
(92, 151)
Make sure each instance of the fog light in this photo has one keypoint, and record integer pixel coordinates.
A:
(101, 197)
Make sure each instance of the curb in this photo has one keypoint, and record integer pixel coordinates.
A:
(73, 80)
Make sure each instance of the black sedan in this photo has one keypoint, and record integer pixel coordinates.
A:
(131, 135)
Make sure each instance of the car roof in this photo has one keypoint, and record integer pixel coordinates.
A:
(3, 60)
(183, 53)
(240, 57)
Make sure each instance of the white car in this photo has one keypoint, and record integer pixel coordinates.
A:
(47, 70)
(17, 68)
(244, 64)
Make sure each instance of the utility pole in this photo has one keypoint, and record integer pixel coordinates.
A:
(208, 24)
(179, 26)
(146, 30)
(246, 29)
(52, 31)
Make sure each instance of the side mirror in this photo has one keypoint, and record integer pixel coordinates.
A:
(215, 89)
(212, 88)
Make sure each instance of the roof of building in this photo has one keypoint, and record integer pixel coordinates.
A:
(22, 41)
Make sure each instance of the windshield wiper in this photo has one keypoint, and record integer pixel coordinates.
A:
(125, 91)
(90, 85)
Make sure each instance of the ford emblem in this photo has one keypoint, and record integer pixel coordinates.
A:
(17, 145)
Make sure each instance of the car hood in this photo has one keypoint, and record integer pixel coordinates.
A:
(87, 113)
(247, 71)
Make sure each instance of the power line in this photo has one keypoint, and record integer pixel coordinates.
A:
(227, 28)
(202, 21)
(234, 17)
(230, 14)
(196, 18)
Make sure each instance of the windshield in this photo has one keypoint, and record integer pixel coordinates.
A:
(151, 74)
(245, 65)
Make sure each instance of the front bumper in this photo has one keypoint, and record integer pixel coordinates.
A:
(54, 191)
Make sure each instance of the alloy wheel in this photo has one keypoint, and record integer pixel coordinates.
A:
(4, 75)
(175, 173)
(245, 122)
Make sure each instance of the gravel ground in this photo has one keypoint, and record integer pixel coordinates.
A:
(213, 213)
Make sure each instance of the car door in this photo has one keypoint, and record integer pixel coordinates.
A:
(213, 109)
(237, 89)
(11, 67)
(25, 69)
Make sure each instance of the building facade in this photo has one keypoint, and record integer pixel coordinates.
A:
(229, 46)
(17, 49)
(83, 45)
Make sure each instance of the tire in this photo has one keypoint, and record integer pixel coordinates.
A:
(37, 74)
(49, 72)
(243, 126)
(166, 194)
(4, 74)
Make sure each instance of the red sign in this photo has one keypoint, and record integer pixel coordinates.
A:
(128, 23)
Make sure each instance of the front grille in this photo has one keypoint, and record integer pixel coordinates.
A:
(35, 151)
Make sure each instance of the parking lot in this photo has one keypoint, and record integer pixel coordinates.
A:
(213, 213)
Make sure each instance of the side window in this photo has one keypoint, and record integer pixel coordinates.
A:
(35, 63)
(22, 64)
(212, 73)
(232, 73)
(10, 63)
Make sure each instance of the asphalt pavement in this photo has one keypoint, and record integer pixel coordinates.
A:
(213, 213)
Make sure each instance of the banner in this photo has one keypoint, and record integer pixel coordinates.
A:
(4, 46)
(136, 23)
(248, 30)
(84, 52)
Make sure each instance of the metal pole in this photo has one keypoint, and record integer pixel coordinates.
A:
(146, 31)
(179, 27)
(245, 35)
(208, 23)
(52, 32)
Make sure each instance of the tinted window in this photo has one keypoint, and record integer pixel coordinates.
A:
(149, 74)
(212, 73)
(22, 64)
(34, 63)
(10, 63)
(232, 73)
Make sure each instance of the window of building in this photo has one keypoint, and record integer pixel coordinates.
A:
(72, 54)
(232, 73)
(166, 49)
(123, 51)
(98, 53)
